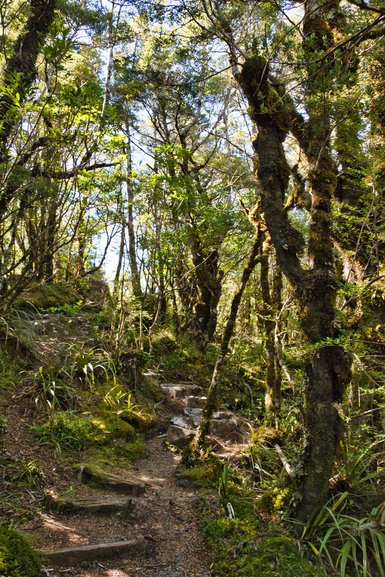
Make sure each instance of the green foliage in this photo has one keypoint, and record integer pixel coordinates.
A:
(90, 365)
(16, 557)
(17, 327)
(251, 547)
(352, 545)
(28, 474)
(68, 308)
(358, 466)
(51, 392)
(8, 370)
(121, 403)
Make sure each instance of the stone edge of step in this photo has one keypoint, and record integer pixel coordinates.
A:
(94, 552)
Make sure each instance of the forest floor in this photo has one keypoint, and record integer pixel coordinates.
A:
(164, 517)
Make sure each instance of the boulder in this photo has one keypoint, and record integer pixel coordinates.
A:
(227, 429)
(179, 436)
(194, 414)
(195, 402)
(180, 391)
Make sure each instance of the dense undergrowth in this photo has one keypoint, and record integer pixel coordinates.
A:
(243, 539)
(91, 401)
(16, 556)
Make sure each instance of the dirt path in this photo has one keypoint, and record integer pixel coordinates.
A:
(165, 516)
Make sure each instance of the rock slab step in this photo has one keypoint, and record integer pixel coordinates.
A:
(74, 555)
(179, 436)
(98, 477)
(54, 501)
(174, 392)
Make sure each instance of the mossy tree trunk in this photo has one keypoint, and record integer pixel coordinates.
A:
(326, 366)
(209, 283)
(20, 73)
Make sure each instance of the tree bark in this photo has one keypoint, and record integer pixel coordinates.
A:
(326, 367)
(212, 393)
(135, 275)
(270, 298)
(209, 282)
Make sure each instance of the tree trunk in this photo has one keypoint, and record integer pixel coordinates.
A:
(209, 282)
(273, 369)
(20, 72)
(212, 393)
(327, 369)
(135, 275)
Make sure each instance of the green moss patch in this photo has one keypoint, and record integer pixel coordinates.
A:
(67, 430)
(16, 556)
(203, 475)
(45, 296)
(71, 431)
(248, 548)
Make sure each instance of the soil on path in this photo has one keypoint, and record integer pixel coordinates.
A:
(165, 516)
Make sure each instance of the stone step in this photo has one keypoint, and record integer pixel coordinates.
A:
(224, 425)
(98, 552)
(119, 504)
(194, 402)
(126, 485)
(180, 391)
(194, 414)
(179, 436)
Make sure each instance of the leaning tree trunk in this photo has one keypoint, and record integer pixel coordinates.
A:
(212, 393)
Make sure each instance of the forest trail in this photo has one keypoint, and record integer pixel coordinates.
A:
(159, 525)
(108, 521)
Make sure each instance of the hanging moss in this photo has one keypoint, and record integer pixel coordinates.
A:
(16, 556)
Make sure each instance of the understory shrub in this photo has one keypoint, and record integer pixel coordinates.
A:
(249, 548)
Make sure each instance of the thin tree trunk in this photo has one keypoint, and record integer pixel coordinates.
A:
(273, 371)
(212, 393)
(119, 266)
(135, 275)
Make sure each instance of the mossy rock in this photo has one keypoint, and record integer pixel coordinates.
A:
(205, 474)
(119, 428)
(45, 296)
(17, 559)
(138, 420)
